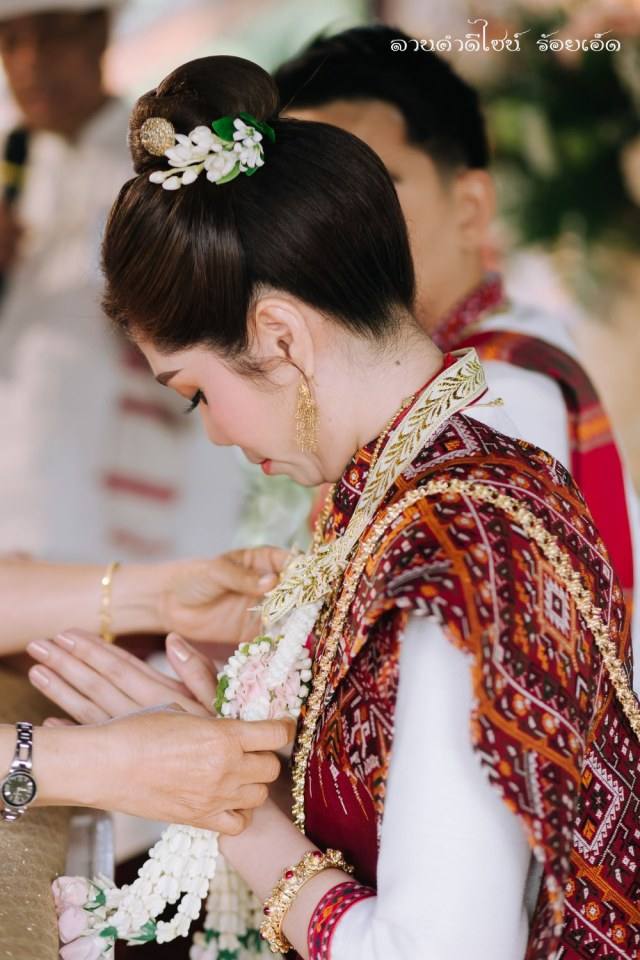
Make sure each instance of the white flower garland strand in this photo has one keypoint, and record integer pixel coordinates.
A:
(232, 922)
(262, 680)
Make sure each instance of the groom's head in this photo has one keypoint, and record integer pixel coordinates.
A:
(426, 124)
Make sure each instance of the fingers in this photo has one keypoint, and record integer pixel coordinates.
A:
(81, 676)
(197, 674)
(230, 822)
(259, 768)
(59, 692)
(231, 573)
(131, 658)
(263, 734)
(90, 671)
(119, 666)
(251, 796)
(144, 685)
(263, 559)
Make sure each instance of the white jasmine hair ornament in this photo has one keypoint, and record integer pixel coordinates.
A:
(231, 146)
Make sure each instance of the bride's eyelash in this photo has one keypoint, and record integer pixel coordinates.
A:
(197, 398)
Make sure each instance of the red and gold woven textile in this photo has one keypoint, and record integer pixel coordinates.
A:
(553, 740)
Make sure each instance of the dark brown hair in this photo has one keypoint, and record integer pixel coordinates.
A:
(320, 220)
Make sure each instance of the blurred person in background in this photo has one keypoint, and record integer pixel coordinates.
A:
(426, 124)
(96, 461)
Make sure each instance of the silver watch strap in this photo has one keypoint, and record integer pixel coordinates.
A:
(22, 758)
(22, 763)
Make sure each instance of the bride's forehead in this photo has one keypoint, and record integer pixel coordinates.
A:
(172, 359)
(198, 365)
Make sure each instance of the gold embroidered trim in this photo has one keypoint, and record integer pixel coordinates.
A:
(322, 666)
(311, 576)
(534, 529)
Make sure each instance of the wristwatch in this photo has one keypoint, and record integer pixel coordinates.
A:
(18, 789)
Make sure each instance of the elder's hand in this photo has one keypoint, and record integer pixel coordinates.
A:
(168, 765)
(93, 681)
(211, 600)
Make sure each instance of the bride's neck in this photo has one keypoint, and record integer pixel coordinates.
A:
(380, 380)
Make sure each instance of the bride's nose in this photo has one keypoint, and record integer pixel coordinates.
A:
(215, 433)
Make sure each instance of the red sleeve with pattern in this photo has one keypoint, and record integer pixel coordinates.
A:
(328, 914)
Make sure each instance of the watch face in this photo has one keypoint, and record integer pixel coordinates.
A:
(18, 789)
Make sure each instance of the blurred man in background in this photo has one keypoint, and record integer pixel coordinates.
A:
(96, 459)
(98, 463)
(425, 123)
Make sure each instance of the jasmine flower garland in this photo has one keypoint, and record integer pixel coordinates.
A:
(265, 679)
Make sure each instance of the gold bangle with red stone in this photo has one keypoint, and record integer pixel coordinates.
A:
(287, 889)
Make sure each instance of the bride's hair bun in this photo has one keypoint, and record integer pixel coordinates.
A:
(200, 92)
(320, 220)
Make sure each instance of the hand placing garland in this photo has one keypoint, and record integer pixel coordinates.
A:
(265, 679)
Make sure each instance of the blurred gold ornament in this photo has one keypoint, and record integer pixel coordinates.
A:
(157, 135)
(306, 419)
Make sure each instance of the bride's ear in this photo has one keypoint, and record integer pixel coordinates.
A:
(282, 332)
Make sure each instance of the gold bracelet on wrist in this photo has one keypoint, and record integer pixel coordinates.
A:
(287, 889)
(106, 584)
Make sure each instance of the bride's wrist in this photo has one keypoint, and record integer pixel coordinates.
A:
(265, 849)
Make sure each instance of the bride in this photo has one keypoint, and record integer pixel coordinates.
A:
(468, 750)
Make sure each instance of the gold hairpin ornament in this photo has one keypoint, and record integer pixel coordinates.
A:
(157, 135)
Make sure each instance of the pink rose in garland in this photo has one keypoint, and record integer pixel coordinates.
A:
(85, 948)
(70, 892)
(72, 923)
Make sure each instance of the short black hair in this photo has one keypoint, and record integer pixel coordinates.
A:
(442, 112)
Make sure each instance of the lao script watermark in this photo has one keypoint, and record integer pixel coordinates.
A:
(479, 43)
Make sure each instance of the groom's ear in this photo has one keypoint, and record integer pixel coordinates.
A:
(282, 334)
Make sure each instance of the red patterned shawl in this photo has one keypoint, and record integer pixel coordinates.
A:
(553, 740)
(596, 464)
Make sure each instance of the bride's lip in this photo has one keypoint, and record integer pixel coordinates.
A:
(264, 463)
(256, 460)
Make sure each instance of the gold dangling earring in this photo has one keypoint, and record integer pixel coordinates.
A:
(306, 419)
